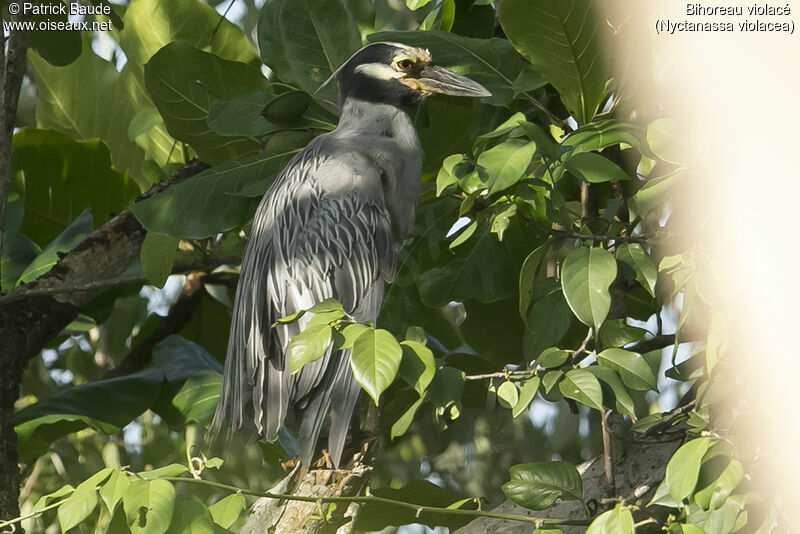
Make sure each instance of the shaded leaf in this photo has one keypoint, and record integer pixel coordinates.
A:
(158, 255)
(537, 485)
(642, 264)
(527, 391)
(594, 168)
(417, 366)
(506, 163)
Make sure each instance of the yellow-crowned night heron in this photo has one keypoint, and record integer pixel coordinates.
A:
(331, 225)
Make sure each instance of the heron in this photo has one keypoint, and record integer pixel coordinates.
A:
(331, 225)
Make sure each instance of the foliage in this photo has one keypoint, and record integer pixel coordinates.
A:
(532, 282)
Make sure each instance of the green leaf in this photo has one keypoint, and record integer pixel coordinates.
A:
(563, 41)
(304, 43)
(506, 163)
(309, 345)
(351, 332)
(375, 361)
(454, 168)
(597, 135)
(527, 391)
(78, 101)
(552, 357)
(582, 386)
(46, 500)
(511, 124)
(58, 178)
(287, 107)
(413, 5)
(508, 395)
(417, 366)
(240, 115)
(492, 63)
(148, 506)
(191, 517)
(502, 220)
(400, 427)
(550, 379)
(715, 494)
(586, 275)
(642, 264)
(594, 168)
(114, 488)
(158, 255)
(624, 402)
(631, 366)
(547, 322)
(619, 520)
(82, 502)
(59, 46)
(206, 204)
(537, 485)
(662, 136)
(464, 235)
(227, 510)
(416, 333)
(76, 232)
(617, 333)
(527, 275)
(184, 82)
(683, 468)
(170, 470)
(197, 398)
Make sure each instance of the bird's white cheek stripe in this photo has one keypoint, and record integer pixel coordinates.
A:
(380, 71)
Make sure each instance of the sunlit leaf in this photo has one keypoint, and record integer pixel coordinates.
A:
(538, 485)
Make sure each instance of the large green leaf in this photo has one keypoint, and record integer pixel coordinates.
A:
(197, 398)
(85, 100)
(151, 25)
(547, 321)
(537, 485)
(205, 204)
(505, 164)
(58, 178)
(596, 136)
(624, 402)
(375, 361)
(227, 510)
(562, 39)
(149, 505)
(184, 82)
(585, 277)
(492, 63)
(683, 468)
(582, 386)
(304, 41)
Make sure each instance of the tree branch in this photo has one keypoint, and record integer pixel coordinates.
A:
(179, 314)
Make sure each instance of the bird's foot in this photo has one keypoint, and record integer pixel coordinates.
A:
(324, 461)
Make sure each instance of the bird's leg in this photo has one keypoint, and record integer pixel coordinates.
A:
(325, 461)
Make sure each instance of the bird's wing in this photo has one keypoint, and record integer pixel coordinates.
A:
(321, 231)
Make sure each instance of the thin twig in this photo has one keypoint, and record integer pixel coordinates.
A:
(526, 373)
(608, 453)
(577, 354)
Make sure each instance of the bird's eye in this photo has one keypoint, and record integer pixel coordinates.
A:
(405, 65)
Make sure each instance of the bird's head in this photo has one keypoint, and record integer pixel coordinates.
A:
(400, 75)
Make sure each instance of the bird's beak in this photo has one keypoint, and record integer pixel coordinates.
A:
(438, 80)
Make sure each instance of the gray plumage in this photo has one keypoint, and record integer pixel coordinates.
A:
(331, 225)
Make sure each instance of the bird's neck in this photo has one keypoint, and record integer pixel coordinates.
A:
(360, 117)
